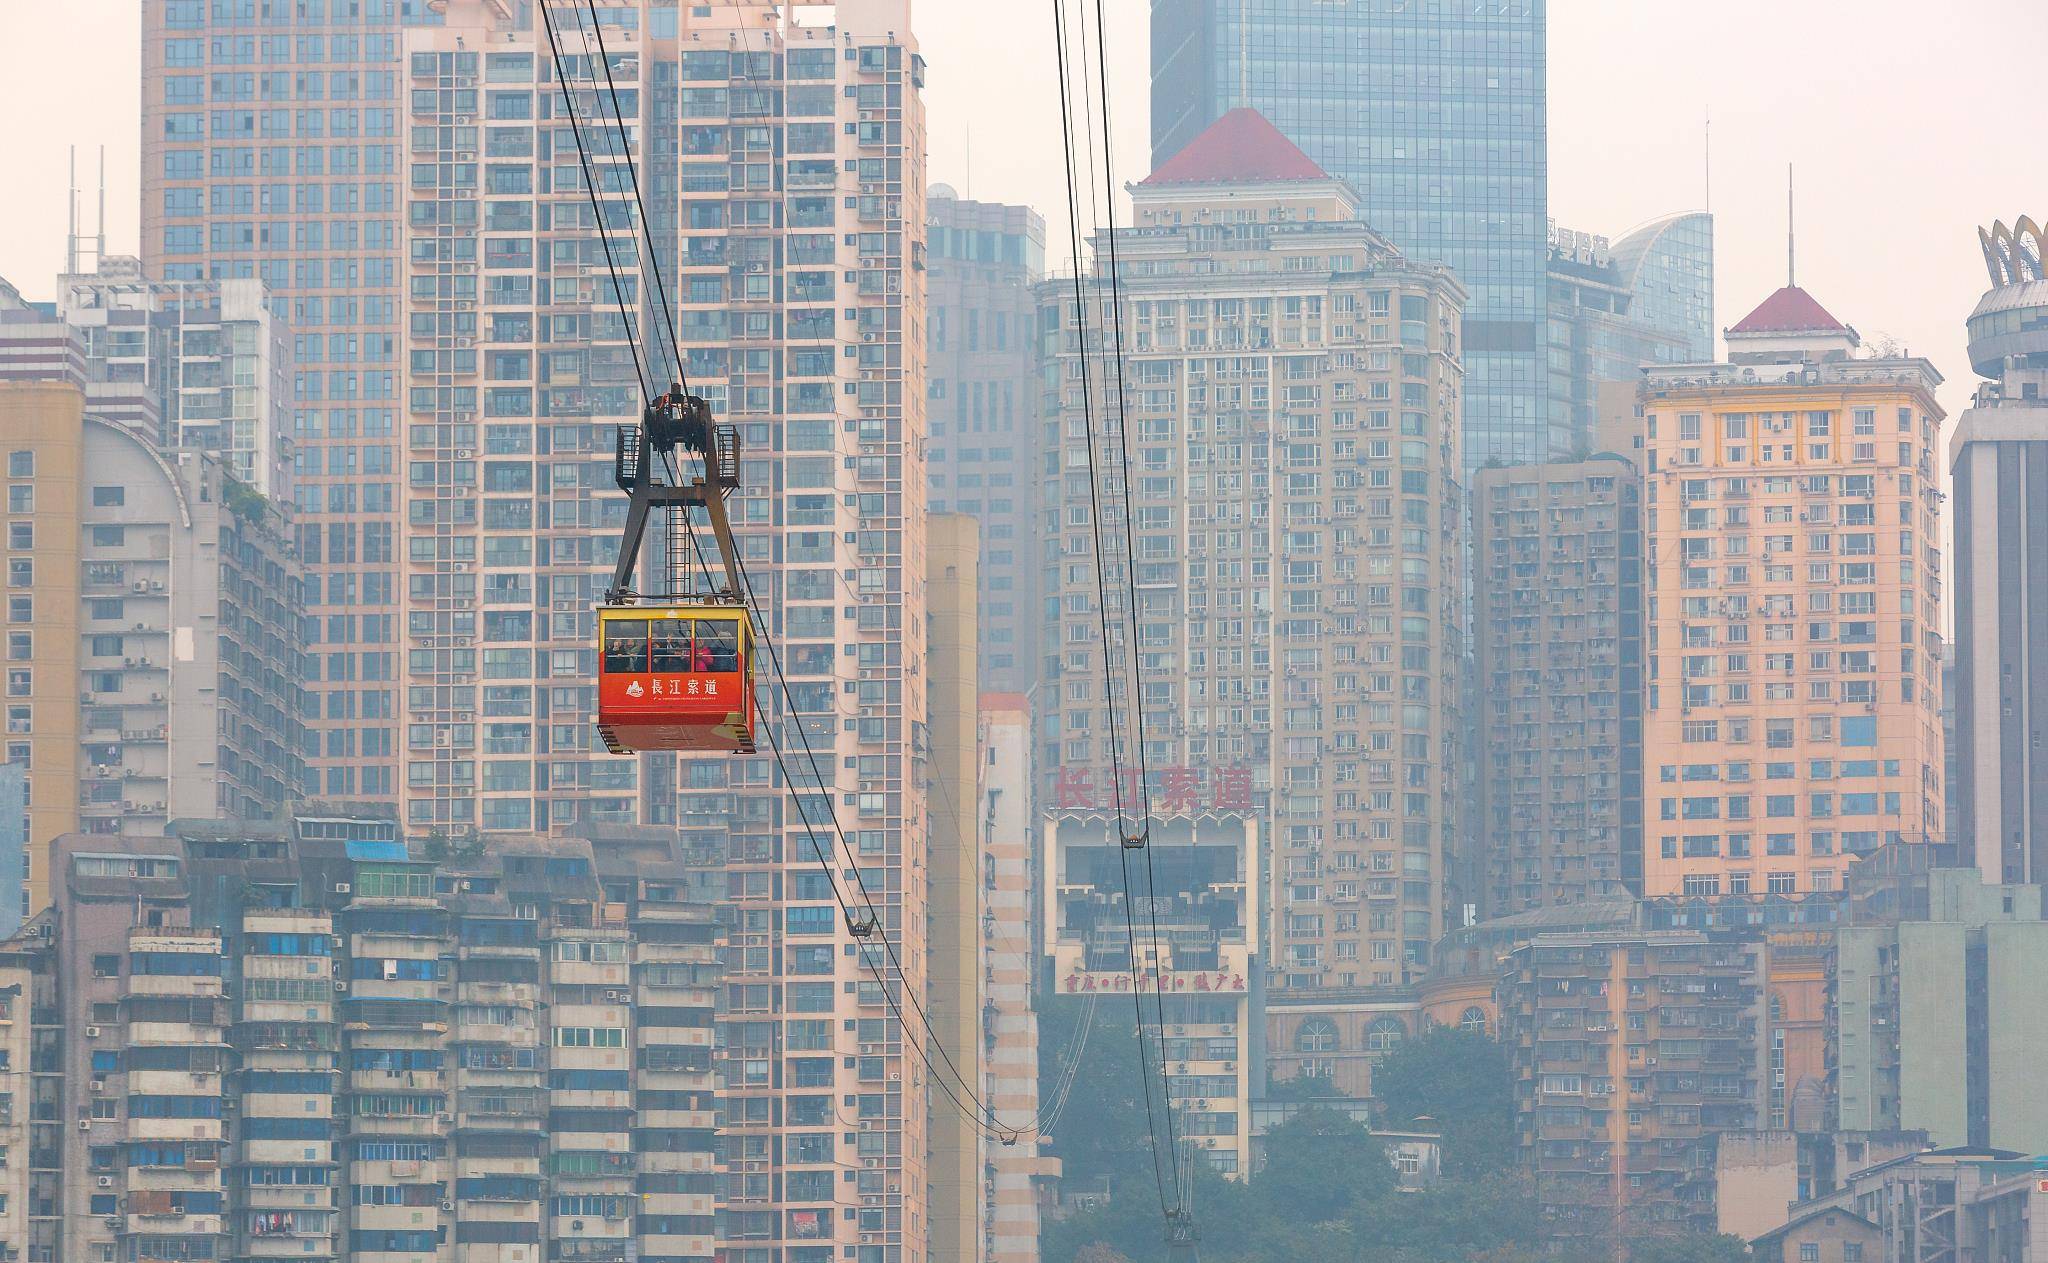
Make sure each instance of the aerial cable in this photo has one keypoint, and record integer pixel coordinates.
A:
(874, 913)
(1116, 307)
(1126, 838)
(633, 174)
(596, 212)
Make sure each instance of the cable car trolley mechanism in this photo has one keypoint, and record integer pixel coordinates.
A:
(676, 668)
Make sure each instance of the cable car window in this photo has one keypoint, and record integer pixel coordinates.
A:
(672, 645)
(722, 639)
(625, 644)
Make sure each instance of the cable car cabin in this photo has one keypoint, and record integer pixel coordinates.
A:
(676, 677)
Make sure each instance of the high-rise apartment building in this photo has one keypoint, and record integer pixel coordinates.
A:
(1558, 662)
(1793, 601)
(304, 1040)
(1195, 949)
(1437, 116)
(1007, 835)
(152, 630)
(984, 258)
(957, 990)
(801, 289)
(187, 365)
(1645, 298)
(1297, 522)
(517, 377)
(1999, 457)
(1632, 1050)
(272, 149)
(1936, 1016)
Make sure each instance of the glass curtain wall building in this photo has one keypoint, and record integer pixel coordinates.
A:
(1435, 113)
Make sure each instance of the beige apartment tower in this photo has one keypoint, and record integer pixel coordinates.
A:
(152, 630)
(1558, 650)
(957, 991)
(1792, 716)
(1298, 530)
(800, 294)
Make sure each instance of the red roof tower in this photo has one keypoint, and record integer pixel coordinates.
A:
(1241, 147)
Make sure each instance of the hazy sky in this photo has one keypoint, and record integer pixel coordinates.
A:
(1907, 121)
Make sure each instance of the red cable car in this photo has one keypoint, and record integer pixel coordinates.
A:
(676, 669)
(674, 677)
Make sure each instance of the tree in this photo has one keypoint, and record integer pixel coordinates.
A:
(1101, 1129)
(1460, 1080)
(1688, 1248)
(1321, 1164)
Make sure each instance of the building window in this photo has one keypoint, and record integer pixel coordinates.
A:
(1384, 1034)
(1473, 1020)
(1316, 1035)
(21, 464)
(1809, 1252)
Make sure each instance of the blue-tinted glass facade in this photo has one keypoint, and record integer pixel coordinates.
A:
(1668, 265)
(1435, 113)
(1646, 299)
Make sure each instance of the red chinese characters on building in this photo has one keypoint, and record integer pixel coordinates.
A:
(1078, 982)
(1175, 790)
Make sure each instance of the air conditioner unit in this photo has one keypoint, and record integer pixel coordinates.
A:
(105, 1181)
(339, 985)
(447, 1205)
(341, 888)
(92, 1032)
(85, 1124)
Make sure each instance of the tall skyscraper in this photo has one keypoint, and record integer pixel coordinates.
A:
(801, 281)
(152, 630)
(984, 259)
(1558, 661)
(1647, 298)
(1436, 115)
(1999, 455)
(272, 149)
(1794, 608)
(1008, 850)
(1296, 516)
(517, 375)
(190, 365)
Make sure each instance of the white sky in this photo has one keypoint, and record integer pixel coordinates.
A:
(1910, 123)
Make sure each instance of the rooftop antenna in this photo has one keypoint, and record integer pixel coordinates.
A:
(99, 250)
(1791, 238)
(71, 216)
(1709, 158)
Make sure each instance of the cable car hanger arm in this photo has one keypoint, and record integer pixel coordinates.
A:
(675, 420)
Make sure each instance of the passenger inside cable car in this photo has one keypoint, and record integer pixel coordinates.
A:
(675, 680)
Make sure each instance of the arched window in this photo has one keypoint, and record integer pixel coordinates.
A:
(1384, 1033)
(1316, 1035)
(1473, 1020)
(1777, 1007)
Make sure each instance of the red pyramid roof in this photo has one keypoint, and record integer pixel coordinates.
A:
(1790, 310)
(1240, 147)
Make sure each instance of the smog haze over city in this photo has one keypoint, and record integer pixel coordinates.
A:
(915, 631)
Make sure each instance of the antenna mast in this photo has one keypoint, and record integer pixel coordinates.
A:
(71, 216)
(1791, 238)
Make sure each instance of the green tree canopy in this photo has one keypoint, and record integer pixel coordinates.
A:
(1460, 1081)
